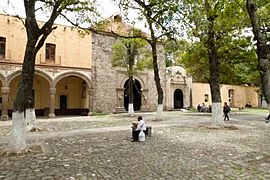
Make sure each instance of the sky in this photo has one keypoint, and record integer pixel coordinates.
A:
(16, 7)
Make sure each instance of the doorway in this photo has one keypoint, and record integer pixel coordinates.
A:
(63, 102)
(137, 102)
(178, 99)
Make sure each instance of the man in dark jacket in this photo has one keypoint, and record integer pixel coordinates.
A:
(226, 110)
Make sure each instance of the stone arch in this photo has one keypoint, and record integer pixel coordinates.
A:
(37, 72)
(73, 73)
(44, 75)
(13, 76)
(3, 80)
(138, 78)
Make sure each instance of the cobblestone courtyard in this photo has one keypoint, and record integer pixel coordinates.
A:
(181, 147)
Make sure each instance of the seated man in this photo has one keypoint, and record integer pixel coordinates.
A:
(140, 127)
(204, 108)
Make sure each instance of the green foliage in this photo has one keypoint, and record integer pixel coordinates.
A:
(119, 58)
(263, 8)
(158, 16)
(141, 54)
(195, 61)
(237, 58)
(236, 54)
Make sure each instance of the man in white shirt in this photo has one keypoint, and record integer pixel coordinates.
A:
(140, 127)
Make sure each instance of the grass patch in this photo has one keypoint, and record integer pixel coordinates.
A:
(99, 114)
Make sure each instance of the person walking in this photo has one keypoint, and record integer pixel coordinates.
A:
(226, 110)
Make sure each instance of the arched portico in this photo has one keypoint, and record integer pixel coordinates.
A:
(41, 86)
(73, 94)
(140, 95)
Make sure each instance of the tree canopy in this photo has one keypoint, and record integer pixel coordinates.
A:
(235, 51)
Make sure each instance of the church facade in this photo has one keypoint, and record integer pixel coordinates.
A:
(74, 76)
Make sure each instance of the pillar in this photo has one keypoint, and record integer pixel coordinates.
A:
(90, 101)
(120, 100)
(52, 102)
(5, 92)
(144, 100)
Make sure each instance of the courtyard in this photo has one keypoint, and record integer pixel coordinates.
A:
(182, 146)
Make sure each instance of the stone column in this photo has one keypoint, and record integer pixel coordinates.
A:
(120, 100)
(5, 92)
(52, 102)
(144, 100)
(90, 101)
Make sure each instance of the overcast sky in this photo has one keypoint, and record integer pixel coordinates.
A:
(16, 7)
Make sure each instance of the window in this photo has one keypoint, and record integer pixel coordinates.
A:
(50, 53)
(2, 47)
(206, 98)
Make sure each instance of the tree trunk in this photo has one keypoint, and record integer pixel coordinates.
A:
(30, 119)
(159, 115)
(263, 51)
(130, 97)
(18, 136)
(130, 53)
(214, 76)
(24, 98)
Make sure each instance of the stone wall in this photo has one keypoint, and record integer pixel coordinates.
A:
(109, 81)
(240, 97)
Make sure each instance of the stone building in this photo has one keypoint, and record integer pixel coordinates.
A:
(74, 75)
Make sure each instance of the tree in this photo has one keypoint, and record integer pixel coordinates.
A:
(237, 60)
(36, 36)
(129, 53)
(158, 16)
(259, 17)
(210, 22)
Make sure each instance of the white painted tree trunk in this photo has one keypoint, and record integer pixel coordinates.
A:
(217, 112)
(18, 135)
(159, 116)
(131, 110)
(30, 118)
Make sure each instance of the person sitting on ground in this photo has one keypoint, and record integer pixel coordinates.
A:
(248, 104)
(140, 127)
(203, 108)
(209, 108)
(199, 108)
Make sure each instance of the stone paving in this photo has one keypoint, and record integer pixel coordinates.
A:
(181, 147)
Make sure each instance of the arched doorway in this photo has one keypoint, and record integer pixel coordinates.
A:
(178, 99)
(137, 95)
(70, 96)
